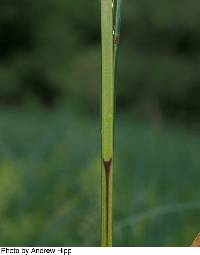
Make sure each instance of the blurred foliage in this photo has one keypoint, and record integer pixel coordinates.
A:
(50, 177)
(49, 157)
(50, 50)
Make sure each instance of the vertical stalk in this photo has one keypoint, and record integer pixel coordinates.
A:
(107, 118)
(110, 30)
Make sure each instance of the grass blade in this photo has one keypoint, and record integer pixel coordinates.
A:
(116, 30)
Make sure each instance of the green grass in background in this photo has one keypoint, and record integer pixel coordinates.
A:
(50, 181)
(158, 61)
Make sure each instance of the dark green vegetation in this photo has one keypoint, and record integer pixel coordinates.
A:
(50, 179)
(50, 50)
(49, 150)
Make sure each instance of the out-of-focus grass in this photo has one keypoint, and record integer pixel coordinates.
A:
(50, 181)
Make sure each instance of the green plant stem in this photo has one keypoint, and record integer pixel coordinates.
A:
(110, 29)
(107, 119)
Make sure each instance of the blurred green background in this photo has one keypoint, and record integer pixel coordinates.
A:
(50, 173)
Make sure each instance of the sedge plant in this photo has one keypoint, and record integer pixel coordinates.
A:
(110, 26)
